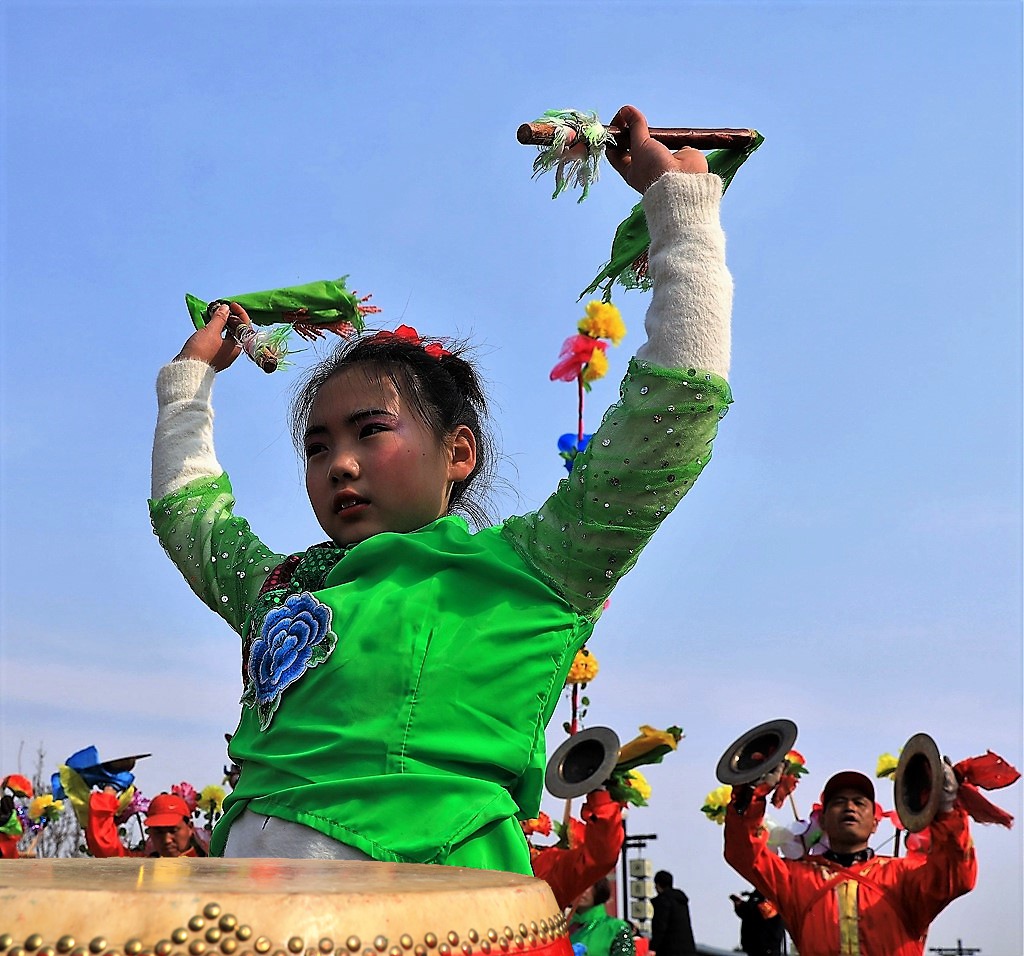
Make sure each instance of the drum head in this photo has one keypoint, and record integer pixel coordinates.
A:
(918, 783)
(205, 907)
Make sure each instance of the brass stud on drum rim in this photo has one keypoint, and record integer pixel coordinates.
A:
(97, 944)
(211, 910)
(352, 943)
(296, 945)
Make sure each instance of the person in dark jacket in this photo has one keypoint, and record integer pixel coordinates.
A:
(671, 933)
(761, 928)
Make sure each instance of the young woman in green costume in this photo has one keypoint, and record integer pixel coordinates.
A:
(594, 928)
(399, 677)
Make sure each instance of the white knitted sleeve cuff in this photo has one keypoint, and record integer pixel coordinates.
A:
(183, 442)
(688, 319)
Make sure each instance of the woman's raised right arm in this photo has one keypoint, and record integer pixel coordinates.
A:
(192, 507)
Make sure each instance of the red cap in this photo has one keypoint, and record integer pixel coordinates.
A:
(848, 780)
(167, 810)
(18, 785)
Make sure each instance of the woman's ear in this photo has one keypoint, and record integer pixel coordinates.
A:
(462, 451)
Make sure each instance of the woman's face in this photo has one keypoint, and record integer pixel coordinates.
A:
(586, 899)
(372, 465)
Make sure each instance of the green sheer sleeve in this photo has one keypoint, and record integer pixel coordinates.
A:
(222, 560)
(649, 450)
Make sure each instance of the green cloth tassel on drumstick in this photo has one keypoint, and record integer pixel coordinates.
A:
(311, 309)
(572, 143)
(628, 262)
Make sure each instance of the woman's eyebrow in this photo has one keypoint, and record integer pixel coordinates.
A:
(354, 419)
(363, 413)
(314, 430)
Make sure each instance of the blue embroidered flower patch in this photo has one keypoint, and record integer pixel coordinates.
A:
(294, 636)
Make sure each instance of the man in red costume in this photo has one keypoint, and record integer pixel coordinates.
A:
(850, 902)
(169, 827)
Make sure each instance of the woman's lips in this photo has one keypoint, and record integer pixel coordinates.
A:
(346, 502)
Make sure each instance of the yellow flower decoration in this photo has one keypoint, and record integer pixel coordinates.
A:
(211, 799)
(639, 783)
(603, 321)
(45, 806)
(886, 765)
(584, 668)
(715, 804)
(597, 367)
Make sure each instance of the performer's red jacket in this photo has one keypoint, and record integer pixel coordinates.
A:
(570, 872)
(101, 831)
(881, 907)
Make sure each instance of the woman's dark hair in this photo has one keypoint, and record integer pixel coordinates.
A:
(602, 891)
(444, 391)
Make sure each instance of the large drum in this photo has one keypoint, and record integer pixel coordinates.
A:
(205, 907)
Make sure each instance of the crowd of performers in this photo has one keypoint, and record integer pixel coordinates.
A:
(833, 893)
(465, 636)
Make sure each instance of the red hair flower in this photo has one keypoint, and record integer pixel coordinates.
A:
(408, 334)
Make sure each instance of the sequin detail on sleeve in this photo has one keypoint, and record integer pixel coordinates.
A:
(622, 944)
(649, 450)
(216, 552)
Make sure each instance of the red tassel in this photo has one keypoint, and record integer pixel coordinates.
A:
(979, 808)
(990, 771)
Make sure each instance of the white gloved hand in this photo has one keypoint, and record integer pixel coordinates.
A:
(773, 776)
(950, 786)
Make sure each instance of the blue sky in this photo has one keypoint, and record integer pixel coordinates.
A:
(852, 557)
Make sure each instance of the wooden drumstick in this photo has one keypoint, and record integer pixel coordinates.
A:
(543, 134)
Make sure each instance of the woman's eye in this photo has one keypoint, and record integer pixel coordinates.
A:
(367, 430)
(314, 449)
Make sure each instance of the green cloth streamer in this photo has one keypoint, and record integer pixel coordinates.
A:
(325, 302)
(632, 238)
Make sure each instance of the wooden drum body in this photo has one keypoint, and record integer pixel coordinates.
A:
(207, 907)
